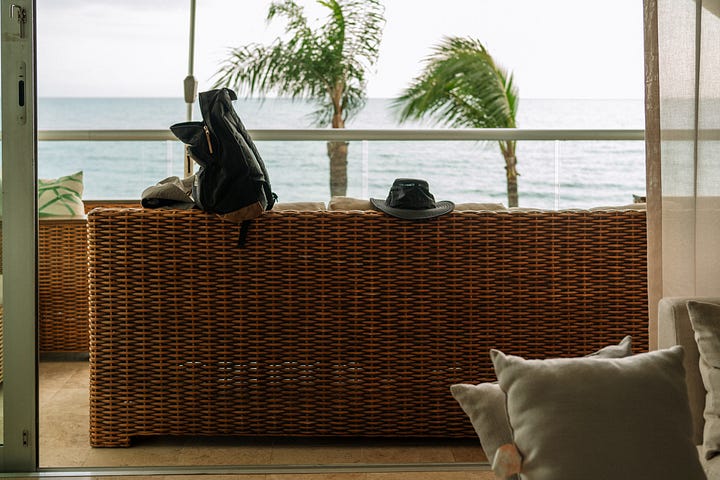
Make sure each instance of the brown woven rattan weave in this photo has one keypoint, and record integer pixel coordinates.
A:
(63, 281)
(62, 285)
(341, 323)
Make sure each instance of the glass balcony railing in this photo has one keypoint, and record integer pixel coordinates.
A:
(558, 168)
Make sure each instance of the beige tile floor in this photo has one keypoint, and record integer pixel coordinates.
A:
(64, 429)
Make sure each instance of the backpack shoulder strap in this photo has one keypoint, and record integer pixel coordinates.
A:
(242, 237)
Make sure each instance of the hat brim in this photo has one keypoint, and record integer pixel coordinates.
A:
(441, 208)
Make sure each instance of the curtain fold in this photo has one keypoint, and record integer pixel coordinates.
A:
(652, 166)
(684, 159)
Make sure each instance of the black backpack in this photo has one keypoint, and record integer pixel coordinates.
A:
(232, 181)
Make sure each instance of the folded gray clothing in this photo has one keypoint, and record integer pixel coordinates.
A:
(171, 192)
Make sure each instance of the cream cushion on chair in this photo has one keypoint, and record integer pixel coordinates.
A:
(705, 319)
(600, 419)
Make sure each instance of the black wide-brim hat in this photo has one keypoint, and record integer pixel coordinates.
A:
(411, 199)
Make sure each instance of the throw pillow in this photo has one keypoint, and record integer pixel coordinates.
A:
(484, 404)
(61, 197)
(599, 418)
(705, 320)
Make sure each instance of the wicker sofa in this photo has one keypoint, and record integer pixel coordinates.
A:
(341, 323)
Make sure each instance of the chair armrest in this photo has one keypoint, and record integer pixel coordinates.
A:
(674, 328)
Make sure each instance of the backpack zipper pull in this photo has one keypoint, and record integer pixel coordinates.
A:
(207, 136)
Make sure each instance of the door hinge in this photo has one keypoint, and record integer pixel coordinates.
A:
(26, 438)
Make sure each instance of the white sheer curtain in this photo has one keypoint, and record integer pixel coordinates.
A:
(682, 45)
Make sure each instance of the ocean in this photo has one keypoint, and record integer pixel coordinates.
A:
(567, 174)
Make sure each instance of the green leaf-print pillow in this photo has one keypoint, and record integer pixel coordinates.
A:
(61, 197)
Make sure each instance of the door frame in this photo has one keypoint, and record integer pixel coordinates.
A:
(19, 452)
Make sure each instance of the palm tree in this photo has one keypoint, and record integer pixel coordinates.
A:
(327, 65)
(462, 87)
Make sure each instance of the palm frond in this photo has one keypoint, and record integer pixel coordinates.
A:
(327, 65)
(294, 13)
(461, 86)
(352, 37)
(363, 23)
(263, 69)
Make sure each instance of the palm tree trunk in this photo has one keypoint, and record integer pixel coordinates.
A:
(337, 152)
(512, 186)
(508, 151)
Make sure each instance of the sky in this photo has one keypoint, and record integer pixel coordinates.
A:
(139, 48)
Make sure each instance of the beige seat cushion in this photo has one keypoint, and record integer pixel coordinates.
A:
(299, 206)
(349, 203)
(630, 206)
(479, 207)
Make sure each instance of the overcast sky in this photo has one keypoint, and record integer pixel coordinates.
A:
(139, 48)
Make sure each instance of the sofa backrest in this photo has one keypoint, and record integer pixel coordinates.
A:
(674, 328)
(356, 309)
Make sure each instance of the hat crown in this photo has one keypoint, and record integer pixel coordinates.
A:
(409, 193)
(410, 198)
